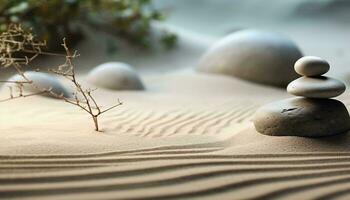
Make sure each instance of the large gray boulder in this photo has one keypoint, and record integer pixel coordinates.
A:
(115, 76)
(257, 56)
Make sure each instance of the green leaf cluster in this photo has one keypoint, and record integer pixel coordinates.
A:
(52, 20)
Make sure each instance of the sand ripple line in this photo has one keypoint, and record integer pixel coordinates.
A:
(171, 122)
(120, 116)
(123, 118)
(107, 173)
(127, 119)
(194, 128)
(152, 119)
(130, 125)
(114, 161)
(138, 122)
(116, 153)
(248, 115)
(157, 130)
(217, 120)
(231, 187)
(304, 187)
(187, 179)
(159, 119)
(190, 123)
(194, 124)
(335, 194)
(180, 147)
(226, 123)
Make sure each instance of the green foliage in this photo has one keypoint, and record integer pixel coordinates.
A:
(55, 19)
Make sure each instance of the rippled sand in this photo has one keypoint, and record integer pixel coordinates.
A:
(192, 139)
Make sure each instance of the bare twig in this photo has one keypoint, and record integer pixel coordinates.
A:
(91, 106)
(15, 41)
(22, 96)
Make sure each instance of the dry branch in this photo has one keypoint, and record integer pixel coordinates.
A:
(15, 46)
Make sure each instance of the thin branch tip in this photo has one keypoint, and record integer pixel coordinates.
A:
(16, 40)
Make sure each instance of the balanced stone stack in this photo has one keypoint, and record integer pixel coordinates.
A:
(313, 113)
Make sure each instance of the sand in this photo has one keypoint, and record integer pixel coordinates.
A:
(188, 136)
(173, 142)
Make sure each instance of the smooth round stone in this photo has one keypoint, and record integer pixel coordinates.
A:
(311, 66)
(302, 117)
(115, 76)
(41, 81)
(255, 56)
(317, 87)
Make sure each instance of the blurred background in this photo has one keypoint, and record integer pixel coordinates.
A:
(165, 35)
(319, 27)
(219, 17)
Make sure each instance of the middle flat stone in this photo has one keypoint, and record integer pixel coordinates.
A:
(316, 87)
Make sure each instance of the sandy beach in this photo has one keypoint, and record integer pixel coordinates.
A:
(189, 135)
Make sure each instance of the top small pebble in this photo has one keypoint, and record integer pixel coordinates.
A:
(311, 66)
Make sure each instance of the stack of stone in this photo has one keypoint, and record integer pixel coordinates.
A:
(313, 84)
(313, 113)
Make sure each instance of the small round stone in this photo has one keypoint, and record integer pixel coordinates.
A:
(253, 55)
(41, 81)
(302, 117)
(311, 66)
(317, 87)
(115, 76)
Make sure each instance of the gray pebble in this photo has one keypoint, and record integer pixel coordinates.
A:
(317, 87)
(311, 66)
(302, 117)
(115, 76)
(41, 81)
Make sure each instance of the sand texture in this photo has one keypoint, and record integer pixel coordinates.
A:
(187, 136)
(152, 150)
